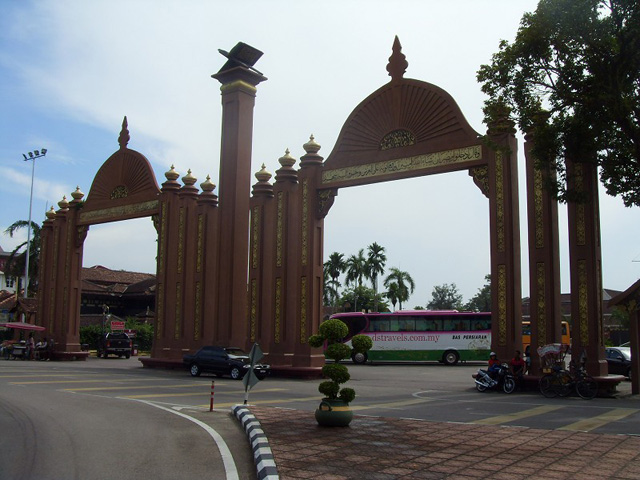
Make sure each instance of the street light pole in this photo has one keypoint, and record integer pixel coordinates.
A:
(32, 156)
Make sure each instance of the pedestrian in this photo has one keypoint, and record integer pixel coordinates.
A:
(31, 347)
(518, 366)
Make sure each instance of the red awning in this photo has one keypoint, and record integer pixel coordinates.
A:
(22, 326)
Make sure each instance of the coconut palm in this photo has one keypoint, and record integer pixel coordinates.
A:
(405, 284)
(356, 270)
(376, 261)
(392, 293)
(333, 268)
(330, 289)
(16, 261)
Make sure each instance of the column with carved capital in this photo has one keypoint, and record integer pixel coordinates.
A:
(238, 99)
(311, 257)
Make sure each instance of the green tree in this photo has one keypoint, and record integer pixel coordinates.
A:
(445, 297)
(376, 261)
(366, 298)
(404, 285)
(392, 293)
(356, 269)
(481, 301)
(571, 79)
(333, 268)
(17, 259)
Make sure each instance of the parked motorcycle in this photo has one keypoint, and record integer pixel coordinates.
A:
(503, 378)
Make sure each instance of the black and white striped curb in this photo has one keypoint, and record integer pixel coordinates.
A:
(262, 455)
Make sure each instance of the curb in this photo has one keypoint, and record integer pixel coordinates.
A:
(262, 455)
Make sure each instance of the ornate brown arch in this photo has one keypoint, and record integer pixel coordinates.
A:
(406, 128)
(124, 187)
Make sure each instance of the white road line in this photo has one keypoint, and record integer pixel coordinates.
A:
(227, 458)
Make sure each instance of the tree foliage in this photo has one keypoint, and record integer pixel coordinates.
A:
(376, 260)
(404, 286)
(17, 259)
(572, 80)
(445, 297)
(481, 301)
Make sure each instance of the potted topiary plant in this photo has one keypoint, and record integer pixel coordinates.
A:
(334, 408)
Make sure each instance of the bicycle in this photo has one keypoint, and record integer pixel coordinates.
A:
(562, 383)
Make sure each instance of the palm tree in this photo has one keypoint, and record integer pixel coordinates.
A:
(330, 291)
(16, 261)
(356, 270)
(392, 294)
(405, 284)
(333, 268)
(376, 261)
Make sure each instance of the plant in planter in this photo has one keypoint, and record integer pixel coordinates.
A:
(334, 408)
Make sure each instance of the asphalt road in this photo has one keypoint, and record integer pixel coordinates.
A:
(91, 419)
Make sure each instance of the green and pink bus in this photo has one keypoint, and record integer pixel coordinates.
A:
(446, 336)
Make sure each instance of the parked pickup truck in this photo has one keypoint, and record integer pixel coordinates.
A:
(116, 343)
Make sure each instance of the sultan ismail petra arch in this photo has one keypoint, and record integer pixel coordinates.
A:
(406, 128)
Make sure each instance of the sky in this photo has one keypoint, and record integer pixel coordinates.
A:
(70, 70)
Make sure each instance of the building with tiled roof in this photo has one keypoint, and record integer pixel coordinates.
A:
(123, 293)
(7, 283)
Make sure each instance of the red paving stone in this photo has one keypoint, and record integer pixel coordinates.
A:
(378, 448)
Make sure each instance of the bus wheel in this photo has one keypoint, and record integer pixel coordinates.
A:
(359, 358)
(450, 357)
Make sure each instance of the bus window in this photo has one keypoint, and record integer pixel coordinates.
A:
(407, 324)
(394, 325)
(379, 325)
(421, 325)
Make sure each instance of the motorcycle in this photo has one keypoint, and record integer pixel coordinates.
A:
(503, 378)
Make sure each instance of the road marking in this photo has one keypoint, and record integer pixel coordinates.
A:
(592, 423)
(263, 402)
(135, 387)
(510, 417)
(227, 459)
(392, 404)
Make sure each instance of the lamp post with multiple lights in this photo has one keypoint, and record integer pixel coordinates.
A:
(32, 156)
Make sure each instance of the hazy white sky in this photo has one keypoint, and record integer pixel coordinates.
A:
(71, 69)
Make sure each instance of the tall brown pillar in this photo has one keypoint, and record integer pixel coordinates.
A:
(586, 268)
(238, 99)
(506, 298)
(311, 257)
(544, 259)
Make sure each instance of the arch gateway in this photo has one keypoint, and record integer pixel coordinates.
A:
(406, 128)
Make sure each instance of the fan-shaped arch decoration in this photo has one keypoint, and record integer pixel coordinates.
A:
(405, 119)
(124, 187)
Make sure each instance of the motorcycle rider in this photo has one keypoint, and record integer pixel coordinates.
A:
(494, 365)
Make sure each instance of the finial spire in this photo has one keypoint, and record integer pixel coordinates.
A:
(397, 62)
(124, 138)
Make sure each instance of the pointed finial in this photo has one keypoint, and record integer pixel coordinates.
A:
(189, 179)
(208, 185)
(287, 160)
(172, 175)
(397, 62)
(263, 175)
(124, 138)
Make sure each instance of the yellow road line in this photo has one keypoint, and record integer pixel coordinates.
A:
(35, 375)
(413, 401)
(157, 395)
(56, 381)
(262, 402)
(592, 423)
(135, 387)
(203, 393)
(510, 417)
